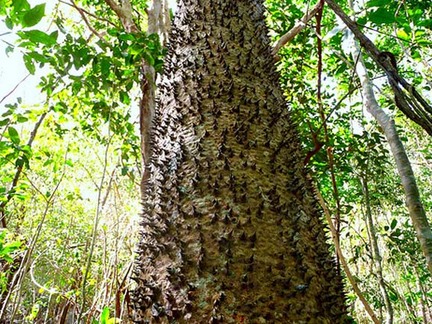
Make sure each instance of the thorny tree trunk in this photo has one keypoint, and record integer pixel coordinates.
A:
(230, 230)
(158, 22)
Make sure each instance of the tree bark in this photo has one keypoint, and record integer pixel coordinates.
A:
(231, 232)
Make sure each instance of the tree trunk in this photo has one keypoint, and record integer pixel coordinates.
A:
(231, 232)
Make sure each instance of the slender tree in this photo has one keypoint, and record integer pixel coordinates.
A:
(231, 232)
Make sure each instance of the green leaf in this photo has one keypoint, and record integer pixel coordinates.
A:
(39, 37)
(38, 57)
(2, 7)
(6, 257)
(22, 119)
(105, 66)
(402, 34)
(124, 170)
(112, 31)
(124, 97)
(149, 59)
(13, 135)
(76, 87)
(381, 16)
(9, 23)
(20, 5)
(61, 106)
(28, 62)
(136, 49)
(126, 37)
(393, 224)
(34, 15)
(376, 3)
(104, 317)
(425, 23)
(4, 122)
(21, 161)
(12, 246)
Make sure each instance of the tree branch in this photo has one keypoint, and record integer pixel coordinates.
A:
(406, 173)
(299, 26)
(83, 16)
(342, 259)
(88, 13)
(410, 102)
(18, 173)
(14, 88)
(124, 12)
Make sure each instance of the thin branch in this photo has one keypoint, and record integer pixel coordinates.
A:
(88, 13)
(115, 7)
(299, 26)
(16, 87)
(95, 224)
(83, 16)
(18, 172)
(24, 266)
(343, 261)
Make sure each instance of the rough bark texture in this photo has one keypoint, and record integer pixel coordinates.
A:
(230, 231)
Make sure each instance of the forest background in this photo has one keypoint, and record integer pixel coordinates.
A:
(71, 138)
